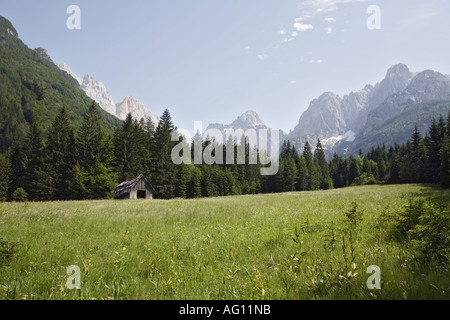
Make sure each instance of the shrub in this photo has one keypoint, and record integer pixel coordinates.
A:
(6, 251)
(20, 195)
(365, 179)
(354, 216)
(426, 224)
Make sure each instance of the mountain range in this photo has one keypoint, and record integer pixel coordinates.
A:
(97, 91)
(381, 114)
(385, 113)
(34, 88)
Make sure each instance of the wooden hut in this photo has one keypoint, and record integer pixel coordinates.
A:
(138, 188)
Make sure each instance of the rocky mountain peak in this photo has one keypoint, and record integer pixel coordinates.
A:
(398, 71)
(137, 109)
(323, 118)
(44, 54)
(7, 29)
(397, 79)
(64, 67)
(96, 90)
(250, 119)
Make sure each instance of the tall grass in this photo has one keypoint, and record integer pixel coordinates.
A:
(311, 245)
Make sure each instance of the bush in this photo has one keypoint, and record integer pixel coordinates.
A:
(6, 251)
(365, 179)
(20, 195)
(354, 216)
(426, 224)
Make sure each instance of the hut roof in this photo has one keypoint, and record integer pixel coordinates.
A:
(127, 186)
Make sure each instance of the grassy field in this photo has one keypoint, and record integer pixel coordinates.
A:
(279, 246)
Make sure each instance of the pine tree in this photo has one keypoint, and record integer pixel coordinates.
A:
(182, 181)
(5, 172)
(416, 156)
(319, 155)
(310, 172)
(354, 169)
(19, 161)
(434, 145)
(303, 173)
(445, 157)
(195, 177)
(132, 149)
(94, 176)
(89, 139)
(38, 180)
(61, 150)
(164, 170)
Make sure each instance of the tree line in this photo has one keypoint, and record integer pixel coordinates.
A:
(86, 164)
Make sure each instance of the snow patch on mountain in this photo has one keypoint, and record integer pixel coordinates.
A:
(349, 136)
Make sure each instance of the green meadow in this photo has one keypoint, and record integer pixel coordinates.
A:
(308, 245)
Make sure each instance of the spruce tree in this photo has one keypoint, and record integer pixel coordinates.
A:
(434, 145)
(94, 177)
(61, 150)
(445, 157)
(38, 180)
(132, 149)
(5, 172)
(164, 170)
(319, 155)
(19, 161)
(89, 139)
(416, 156)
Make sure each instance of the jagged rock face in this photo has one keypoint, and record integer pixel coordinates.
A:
(354, 107)
(44, 54)
(330, 118)
(137, 109)
(249, 120)
(66, 68)
(425, 86)
(96, 90)
(324, 118)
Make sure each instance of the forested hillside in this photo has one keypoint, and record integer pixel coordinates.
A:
(33, 90)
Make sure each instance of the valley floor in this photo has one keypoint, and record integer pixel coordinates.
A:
(276, 246)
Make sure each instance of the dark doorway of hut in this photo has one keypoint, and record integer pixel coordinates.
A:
(141, 194)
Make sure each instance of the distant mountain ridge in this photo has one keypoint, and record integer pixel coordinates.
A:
(97, 91)
(352, 123)
(381, 114)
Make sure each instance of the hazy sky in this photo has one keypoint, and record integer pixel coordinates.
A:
(211, 60)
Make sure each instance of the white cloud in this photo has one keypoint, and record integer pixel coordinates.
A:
(330, 19)
(302, 27)
(294, 34)
(329, 30)
(320, 6)
(318, 61)
(262, 56)
(283, 32)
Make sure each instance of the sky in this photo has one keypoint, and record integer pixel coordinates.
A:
(212, 60)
